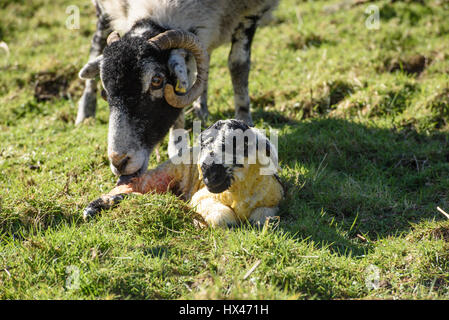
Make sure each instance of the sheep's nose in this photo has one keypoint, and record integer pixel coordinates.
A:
(213, 174)
(119, 160)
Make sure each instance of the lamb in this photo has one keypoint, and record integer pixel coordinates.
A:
(156, 63)
(222, 188)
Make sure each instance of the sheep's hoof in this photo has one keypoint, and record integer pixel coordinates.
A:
(89, 212)
(200, 224)
(100, 204)
(86, 107)
(245, 117)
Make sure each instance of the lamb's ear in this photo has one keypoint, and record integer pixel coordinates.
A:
(91, 69)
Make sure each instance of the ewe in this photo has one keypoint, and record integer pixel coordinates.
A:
(156, 63)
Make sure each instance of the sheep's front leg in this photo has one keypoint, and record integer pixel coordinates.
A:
(199, 105)
(87, 105)
(239, 63)
(260, 215)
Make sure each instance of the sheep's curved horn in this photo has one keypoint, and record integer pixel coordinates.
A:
(179, 39)
(113, 36)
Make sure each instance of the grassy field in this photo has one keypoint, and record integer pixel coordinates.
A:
(363, 120)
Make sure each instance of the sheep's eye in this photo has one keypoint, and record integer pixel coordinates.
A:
(156, 81)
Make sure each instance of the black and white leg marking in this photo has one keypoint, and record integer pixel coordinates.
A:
(239, 63)
(87, 105)
(200, 106)
(103, 203)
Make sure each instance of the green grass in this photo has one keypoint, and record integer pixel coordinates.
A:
(363, 120)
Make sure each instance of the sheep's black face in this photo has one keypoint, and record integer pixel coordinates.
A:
(216, 177)
(147, 82)
(134, 75)
(223, 155)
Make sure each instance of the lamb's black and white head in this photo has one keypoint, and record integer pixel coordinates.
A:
(140, 72)
(232, 151)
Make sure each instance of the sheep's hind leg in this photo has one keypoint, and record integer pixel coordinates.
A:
(239, 63)
(158, 180)
(103, 203)
(87, 105)
(200, 106)
(108, 201)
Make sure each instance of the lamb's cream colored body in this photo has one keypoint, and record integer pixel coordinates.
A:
(251, 197)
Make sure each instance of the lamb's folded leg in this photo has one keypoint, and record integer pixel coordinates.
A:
(214, 213)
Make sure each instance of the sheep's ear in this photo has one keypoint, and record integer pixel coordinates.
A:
(91, 69)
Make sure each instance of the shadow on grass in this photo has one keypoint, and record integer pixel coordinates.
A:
(34, 216)
(347, 183)
(350, 183)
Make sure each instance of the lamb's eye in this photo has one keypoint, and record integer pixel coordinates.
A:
(156, 81)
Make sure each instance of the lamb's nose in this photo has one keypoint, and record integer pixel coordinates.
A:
(118, 160)
(213, 174)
